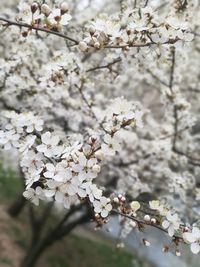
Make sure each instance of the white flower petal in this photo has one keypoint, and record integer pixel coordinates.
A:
(195, 248)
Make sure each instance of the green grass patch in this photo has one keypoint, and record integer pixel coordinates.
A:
(22, 243)
(10, 184)
(83, 252)
(6, 261)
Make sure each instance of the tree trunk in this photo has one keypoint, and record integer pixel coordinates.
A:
(38, 247)
(15, 209)
(33, 255)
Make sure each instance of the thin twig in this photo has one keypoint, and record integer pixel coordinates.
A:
(146, 3)
(139, 221)
(108, 66)
(80, 90)
(192, 160)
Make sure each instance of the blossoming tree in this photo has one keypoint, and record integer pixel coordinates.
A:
(100, 99)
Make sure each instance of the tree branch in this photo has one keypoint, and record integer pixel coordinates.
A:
(142, 222)
(108, 66)
(37, 28)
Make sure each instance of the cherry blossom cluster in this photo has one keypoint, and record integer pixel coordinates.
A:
(62, 172)
(156, 214)
(120, 114)
(51, 168)
(135, 27)
(44, 16)
(15, 128)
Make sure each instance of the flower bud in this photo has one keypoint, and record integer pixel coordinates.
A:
(146, 242)
(97, 216)
(25, 34)
(153, 220)
(178, 253)
(120, 196)
(45, 9)
(120, 245)
(92, 29)
(133, 224)
(34, 7)
(83, 46)
(123, 199)
(96, 168)
(99, 155)
(64, 7)
(92, 140)
(128, 32)
(147, 218)
(165, 249)
(116, 200)
(185, 229)
(97, 45)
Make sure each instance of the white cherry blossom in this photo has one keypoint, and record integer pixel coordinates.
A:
(171, 223)
(49, 145)
(102, 206)
(111, 145)
(56, 17)
(34, 195)
(193, 238)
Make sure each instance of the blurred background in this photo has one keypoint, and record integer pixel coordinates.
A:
(84, 247)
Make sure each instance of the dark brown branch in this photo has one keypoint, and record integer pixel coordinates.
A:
(141, 222)
(80, 90)
(37, 28)
(171, 80)
(86, 217)
(108, 66)
(157, 78)
(192, 160)
(129, 45)
(15, 209)
(37, 248)
(66, 217)
(45, 214)
(146, 3)
(136, 161)
(171, 135)
(76, 42)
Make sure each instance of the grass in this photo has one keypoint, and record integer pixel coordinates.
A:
(10, 184)
(5, 261)
(83, 252)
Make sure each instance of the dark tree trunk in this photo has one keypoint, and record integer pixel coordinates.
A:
(33, 255)
(16, 208)
(39, 244)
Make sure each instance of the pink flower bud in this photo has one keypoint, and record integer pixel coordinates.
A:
(153, 220)
(34, 7)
